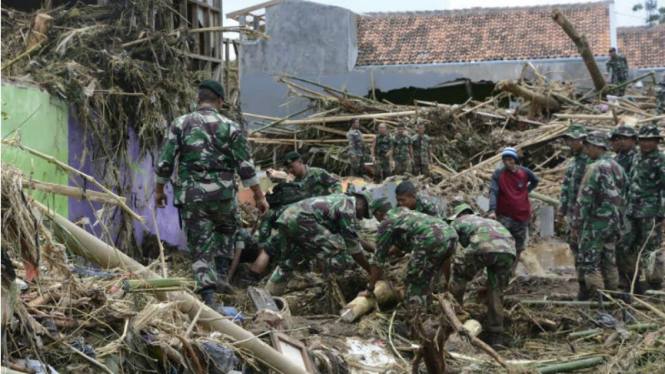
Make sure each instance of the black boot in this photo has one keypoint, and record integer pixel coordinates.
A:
(652, 285)
(208, 296)
(583, 293)
(222, 265)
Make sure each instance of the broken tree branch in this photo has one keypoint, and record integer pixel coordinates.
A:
(516, 89)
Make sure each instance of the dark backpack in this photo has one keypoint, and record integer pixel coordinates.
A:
(286, 193)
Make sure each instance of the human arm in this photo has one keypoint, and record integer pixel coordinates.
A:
(333, 184)
(166, 164)
(367, 245)
(533, 179)
(244, 166)
(494, 192)
(411, 152)
(565, 191)
(374, 147)
(584, 202)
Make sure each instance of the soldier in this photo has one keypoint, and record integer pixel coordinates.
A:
(308, 182)
(422, 151)
(597, 216)
(509, 198)
(382, 152)
(487, 245)
(569, 189)
(407, 197)
(660, 96)
(356, 149)
(625, 136)
(323, 227)
(615, 146)
(618, 67)
(429, 240)
(208, 147)
(645, 213)
(403, 151)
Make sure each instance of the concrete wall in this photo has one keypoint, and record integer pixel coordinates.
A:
(40, 122)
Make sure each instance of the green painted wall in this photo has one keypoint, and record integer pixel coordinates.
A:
(43, 124)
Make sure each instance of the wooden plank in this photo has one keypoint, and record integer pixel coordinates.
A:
(207, 50)
(262, 299)
(197, 56)
(234, 15)
(227, 67)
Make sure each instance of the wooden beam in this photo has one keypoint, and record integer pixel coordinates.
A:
(244, 11)
(204, 58)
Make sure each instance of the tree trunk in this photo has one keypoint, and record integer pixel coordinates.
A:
(514, 88)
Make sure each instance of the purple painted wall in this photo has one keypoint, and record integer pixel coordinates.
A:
(138, 180)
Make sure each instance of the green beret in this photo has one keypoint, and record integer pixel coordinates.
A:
(291, 157)
(213, 86)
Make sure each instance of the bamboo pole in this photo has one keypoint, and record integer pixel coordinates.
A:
(58, 189)
(330, 88)
(360, 306)
(582, 46)
(279, 121)
(514, 88)
(19, 57)
(93, 249)
(573, 365)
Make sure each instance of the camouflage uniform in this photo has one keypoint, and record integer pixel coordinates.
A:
(382, 165)
(618, 66)
(626, 158)
(356, 152)
(430, 240)
(646, 211)
(598, 218)
(570, 186)
(401, 155)
(318, 182)
(421, 150)
(660, 96)
(487, 244)
(209, 147)
(427, 205)
(323, 227)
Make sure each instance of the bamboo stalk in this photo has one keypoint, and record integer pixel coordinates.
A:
(93, 196)
(330, 88)
(584, 333)
(568, 366)
(281, 120)
(19, 57)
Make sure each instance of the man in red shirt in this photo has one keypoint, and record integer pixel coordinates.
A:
(509, 198)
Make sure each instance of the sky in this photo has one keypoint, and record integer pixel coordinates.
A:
(624, 13)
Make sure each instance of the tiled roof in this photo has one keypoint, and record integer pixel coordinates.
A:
(479, 34)
(644, 46)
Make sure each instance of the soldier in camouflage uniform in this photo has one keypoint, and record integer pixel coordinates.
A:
(660, 96)
(407, 197)
(625, 136)
(597, 216)
(618, 67)
(382, 151)
(645, 213)
(324, 228)
(422, 151)
(615, 146)
(356, 149)
(429, 240)
(570, 187)
(487, 245)
(402, 151)
(308, 182)
(209, 148)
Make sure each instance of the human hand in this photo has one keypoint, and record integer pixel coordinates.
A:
(491, 215)
(575, 234)
(366, 293)
(263, 206)
(161, 200)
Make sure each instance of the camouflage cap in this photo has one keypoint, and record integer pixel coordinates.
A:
(650, 132)
(612, 134)
(379, 203)
(213, 86)
(597, 138)
(291, 157)
(461, 208)
(576, 132)
(626, 131)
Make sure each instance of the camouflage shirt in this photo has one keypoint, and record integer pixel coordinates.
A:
(427, 205)
(660, 96)
(383, 145)
(618, 66)
(356, 142)
(421, 147)
(409, 230)
(208, 147)
(627, 159)
(336, 213)
(318, 182)
(482, 236)
(401, 146)
(571, 182)
(600, 201)
(646, 196)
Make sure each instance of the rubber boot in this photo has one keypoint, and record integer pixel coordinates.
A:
(208, 296)
(583, 293)
(497, 341)
(652, 285)
(222, 265)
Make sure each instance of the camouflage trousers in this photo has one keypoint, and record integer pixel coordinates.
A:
(304, 242)
(357, 163)
(424, 271)
(402, 166)
(420, 168)
(381, 169)
(617, 81)
(575, 247)
(210, 227)
(518, 229)
(499, 269)
(596, 259)
(642, 232)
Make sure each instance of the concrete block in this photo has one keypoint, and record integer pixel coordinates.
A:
(546, 215)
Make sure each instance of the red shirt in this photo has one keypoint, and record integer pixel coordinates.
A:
(513, 199)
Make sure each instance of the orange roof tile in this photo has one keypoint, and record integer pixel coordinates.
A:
(478, 34)
(644, 46)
